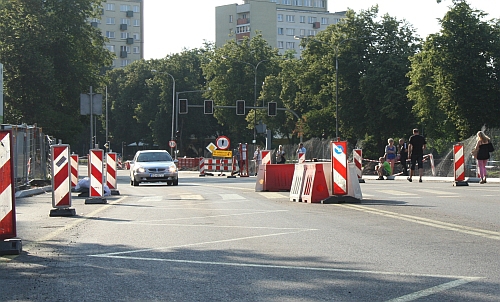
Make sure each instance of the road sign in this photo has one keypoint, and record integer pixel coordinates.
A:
(222, 153)
(222, 142)
(211, 147)
(172, 144)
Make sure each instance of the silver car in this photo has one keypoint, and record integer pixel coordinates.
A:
(153, 166)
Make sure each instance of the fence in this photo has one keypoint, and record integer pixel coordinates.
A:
(31, 154)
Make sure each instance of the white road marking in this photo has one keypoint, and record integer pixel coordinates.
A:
(272, 195)
(433, 290)
(428, 222)
(395, 192)
(192, 197)
(148, 199)
(231, 197)
(437, 192)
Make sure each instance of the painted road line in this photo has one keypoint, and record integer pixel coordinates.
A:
(428, 222)
(192, 197)
(202, 243)
(231, 197)
(397, 193)
(433, 290)
(148, 199)
(272, 195)
(437, 192)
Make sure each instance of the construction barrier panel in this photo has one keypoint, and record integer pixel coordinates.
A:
(297, 182)
(96, 188)
(61, 171)
(459, 165)
(358, 160)
(275, 178)
(339, 167)
(7, 192)
(266, 157)
(202, 166)
(216, 165)
(243, 151)
(301, 157)
(111, 171)
(316, 179)
(74, 170)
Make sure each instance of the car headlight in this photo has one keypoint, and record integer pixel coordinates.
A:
(172, 169)
(141, 170)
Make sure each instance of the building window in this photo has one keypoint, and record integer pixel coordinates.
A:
(297, 2)
(124, 35)
(311, 32)
(290, 31)
(308, 3)
(287, 2)
(125, 21)
(124, 8)
(290, 45)
(110, 34)
(324, 21)
(280, 18)
(302, 32)
(302, 19)
(125, 48)
(136, 49)
(281, 31)
(319, 3)
(110, 20)
(125, 63)
(136, 36)
(290, 18)
(230, 18)
(111, 48)
(280, 44)
(136, 8)
(137, 22)
(110, 6)
(311, 20)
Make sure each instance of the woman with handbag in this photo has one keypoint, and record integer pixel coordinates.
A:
(482, 154)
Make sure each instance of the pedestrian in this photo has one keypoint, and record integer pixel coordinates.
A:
(403, 155)
(301, 149)
(390, 153)
(257, 156)
(280, 155)
(482, 154)
(416, 147)
(383, 168)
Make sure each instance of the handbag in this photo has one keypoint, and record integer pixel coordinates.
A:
(490, 147)
(474, 153)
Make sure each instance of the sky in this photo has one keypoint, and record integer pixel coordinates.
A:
(172, 25)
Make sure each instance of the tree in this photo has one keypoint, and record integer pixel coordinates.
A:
(51, 54)
(459, 67)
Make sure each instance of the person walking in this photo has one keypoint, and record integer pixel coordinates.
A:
(482, 150)
(403, 155)
(280, 155)
(416, 147)
(390, 153)
(257, 156)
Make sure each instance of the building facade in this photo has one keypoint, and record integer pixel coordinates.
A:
(279, 21)
(122, 22)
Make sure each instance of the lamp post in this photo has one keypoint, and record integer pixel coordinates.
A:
(173, 103)
(336, 49)
(255, 68)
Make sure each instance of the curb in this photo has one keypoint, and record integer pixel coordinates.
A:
(31, 192)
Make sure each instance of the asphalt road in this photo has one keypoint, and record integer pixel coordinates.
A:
(216, 239)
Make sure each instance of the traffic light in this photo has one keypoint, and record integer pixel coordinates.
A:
(272, 107)
(209, 107)
(240, 107)
(183, 106)
(177, 135)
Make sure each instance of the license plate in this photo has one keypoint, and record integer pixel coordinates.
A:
(156, 175)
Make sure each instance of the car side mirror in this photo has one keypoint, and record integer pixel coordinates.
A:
(176, 161)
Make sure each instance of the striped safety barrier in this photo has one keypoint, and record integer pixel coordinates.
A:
(7, 200)
(96, 189)
(301, 157)
(217, 165)
(74, 170)
(459, 165)
(61, 180)
(111, 170)
(339, 167)
(266, 157)
(358, 160)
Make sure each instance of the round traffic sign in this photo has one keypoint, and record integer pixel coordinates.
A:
(172, 144)
(222, 142)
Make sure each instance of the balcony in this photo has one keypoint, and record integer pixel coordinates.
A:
(243, 21)
(123, 26)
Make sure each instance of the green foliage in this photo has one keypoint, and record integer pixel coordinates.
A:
(51, 54)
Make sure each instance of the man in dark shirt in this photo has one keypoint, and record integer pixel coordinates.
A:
(416, 146)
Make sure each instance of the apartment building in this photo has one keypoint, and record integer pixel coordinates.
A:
(122, 22)
(279, 21)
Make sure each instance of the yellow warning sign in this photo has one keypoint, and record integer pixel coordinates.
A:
(222, 153)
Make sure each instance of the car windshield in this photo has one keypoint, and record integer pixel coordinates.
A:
(154, 156)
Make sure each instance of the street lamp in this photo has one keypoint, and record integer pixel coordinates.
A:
(255, 67)
(173, 103)
(336, 49)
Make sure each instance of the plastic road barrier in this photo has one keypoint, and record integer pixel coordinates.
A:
(111, 171)
(297, 183)
(74, 170)
(358, 160)
(315, 188)
(96, 189)
(459, 165)
(339, 167)
(266, 157)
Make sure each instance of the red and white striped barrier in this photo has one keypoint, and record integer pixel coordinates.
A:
(202, 166)
(96, 189)
(266, 157)
(358, 160)
(216, 165)
(301, 157)
(7, 192)
(459, 165)
(61, 172)
(111, 171)
(74, 170)
(339, 167)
